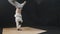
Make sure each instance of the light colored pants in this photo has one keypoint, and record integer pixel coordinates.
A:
(18, 20)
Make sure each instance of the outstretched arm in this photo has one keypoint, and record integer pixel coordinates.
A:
(17, 4)
(13, 2)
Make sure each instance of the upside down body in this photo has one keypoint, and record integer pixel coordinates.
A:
(18, 16)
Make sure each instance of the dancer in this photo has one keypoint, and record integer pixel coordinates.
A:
(18, 16)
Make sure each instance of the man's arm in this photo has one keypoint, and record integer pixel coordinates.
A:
(17, 4)
(12, 2)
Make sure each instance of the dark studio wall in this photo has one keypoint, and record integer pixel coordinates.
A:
(6, 13)
(43, 13)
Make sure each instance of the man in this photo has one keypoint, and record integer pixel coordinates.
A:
(18, 16)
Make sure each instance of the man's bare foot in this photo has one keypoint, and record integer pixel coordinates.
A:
(19, 29)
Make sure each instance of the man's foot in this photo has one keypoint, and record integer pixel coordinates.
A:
(19, 29)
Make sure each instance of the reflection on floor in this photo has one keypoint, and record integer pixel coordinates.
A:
(25, 30)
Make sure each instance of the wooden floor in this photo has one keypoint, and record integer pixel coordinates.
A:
(25, 30)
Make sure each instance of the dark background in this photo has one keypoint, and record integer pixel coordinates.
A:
(42, 14)
(35, 13)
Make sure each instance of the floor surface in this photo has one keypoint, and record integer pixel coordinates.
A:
(25, 30)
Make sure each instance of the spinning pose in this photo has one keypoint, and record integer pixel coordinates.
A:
(18, 16)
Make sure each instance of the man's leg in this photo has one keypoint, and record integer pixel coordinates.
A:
(18, 23)
(18, 18)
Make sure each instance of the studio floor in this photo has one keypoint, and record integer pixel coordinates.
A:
(25, 30)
